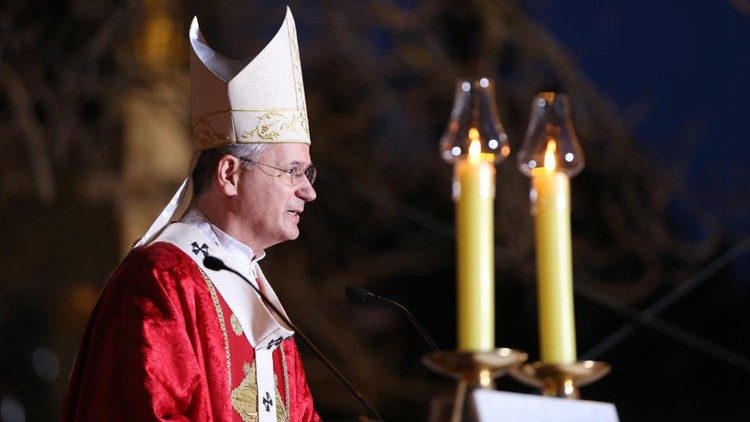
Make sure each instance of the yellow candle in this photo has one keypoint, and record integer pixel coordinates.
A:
(474, 192)
(551, 208)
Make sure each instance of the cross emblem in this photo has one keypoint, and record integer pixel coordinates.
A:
(267, 402)
(203, 248)
(274, 343)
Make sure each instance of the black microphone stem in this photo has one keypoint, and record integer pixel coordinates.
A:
(374, 413)
(414, 321)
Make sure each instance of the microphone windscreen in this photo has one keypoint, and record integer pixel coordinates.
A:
(358, 294)
(213, 263)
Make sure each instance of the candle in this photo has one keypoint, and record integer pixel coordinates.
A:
(474, 141)
(474, 193)
(551, 209)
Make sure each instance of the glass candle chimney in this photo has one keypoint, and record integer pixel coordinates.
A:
(474, 124)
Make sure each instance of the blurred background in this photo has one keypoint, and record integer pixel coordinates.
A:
(94, 139)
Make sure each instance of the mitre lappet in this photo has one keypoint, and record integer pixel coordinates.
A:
(256, 100)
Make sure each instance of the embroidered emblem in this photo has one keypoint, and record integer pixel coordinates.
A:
(245, 397)
(274, 343)
(267, 402)
(235, 323)
(202, 248)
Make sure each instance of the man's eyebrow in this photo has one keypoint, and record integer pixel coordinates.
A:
(298, 163)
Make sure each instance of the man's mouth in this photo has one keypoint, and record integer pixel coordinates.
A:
(295, 213)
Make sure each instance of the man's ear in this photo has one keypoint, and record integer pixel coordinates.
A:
(228, 175)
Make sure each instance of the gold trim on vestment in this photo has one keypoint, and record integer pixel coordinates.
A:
(286, 379)
(235, 323)
(222, 324)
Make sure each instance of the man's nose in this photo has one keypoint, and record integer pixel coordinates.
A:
(306, 191)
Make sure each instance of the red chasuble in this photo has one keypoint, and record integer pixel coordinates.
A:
(162, 344)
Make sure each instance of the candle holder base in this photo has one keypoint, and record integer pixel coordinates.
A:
(472, 370)
(561, 379)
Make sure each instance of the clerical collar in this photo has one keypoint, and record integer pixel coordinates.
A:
(241, 255)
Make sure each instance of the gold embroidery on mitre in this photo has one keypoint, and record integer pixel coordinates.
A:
(205, 136)
(271, 125)
(235, 323)
(245, 397)
(297, 68)
(298, 122)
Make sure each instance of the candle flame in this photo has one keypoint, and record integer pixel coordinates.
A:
(549, 156)
(473, 134)
(475, 147)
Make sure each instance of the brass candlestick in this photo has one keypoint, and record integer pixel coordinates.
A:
(473, 370)
(562, 379)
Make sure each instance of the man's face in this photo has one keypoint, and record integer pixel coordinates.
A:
(268, 203)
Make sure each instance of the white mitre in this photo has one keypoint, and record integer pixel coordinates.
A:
(255, 100)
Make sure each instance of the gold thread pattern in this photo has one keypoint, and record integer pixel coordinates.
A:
(222, 325)
(245, 397)
(205, 136)
(235, 323)
(271, 125)
(297, 68)
(298, 121)
(286, 379)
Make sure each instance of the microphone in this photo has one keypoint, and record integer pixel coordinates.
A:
(213, 263)
(216, 264)
(359, 294)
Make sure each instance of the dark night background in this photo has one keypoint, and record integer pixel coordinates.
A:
(93, 139)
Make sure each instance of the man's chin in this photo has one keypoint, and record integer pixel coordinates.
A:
(291, 235)
(283, 237)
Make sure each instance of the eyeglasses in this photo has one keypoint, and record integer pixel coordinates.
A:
(295, 177)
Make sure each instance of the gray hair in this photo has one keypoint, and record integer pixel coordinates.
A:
(204, 168)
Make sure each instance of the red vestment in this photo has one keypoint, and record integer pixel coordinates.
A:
(162, 344)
